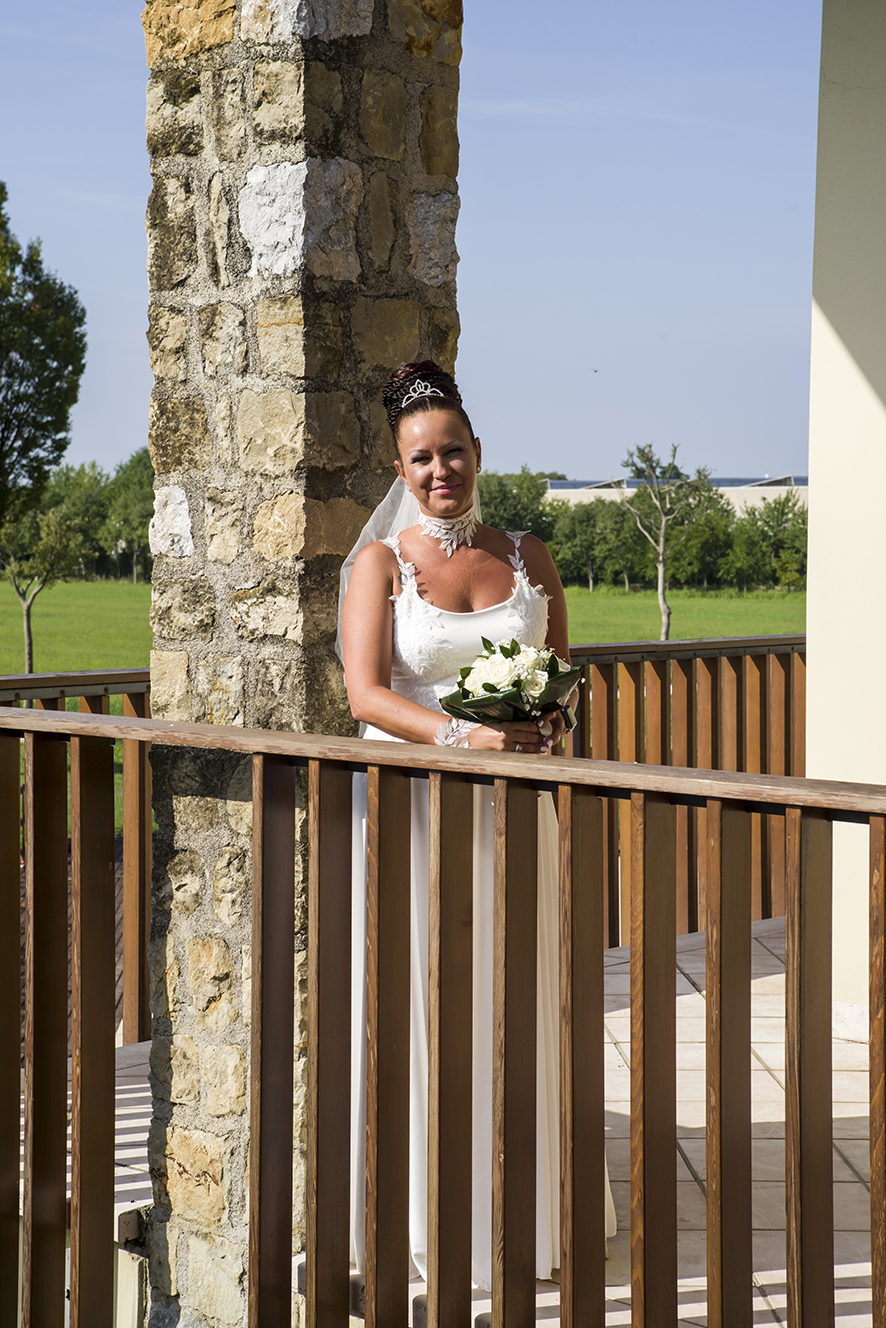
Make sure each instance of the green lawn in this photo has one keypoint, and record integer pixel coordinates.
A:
(611, 615)
(78, 625)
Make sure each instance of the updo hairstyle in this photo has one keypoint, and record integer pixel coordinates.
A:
(403, 379)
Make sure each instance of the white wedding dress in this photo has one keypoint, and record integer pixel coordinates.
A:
(430, 647)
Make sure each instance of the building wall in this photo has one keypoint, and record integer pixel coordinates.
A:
(301, 243)
(846, 628)
(740, 496)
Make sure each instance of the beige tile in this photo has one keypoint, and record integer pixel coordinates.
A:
(618, 1159)
(618, 1026)
(767, 1006)
(767, 1159)
(854, 1308)
(685, 987)
(771, 1054)
(691, 1255)
(690, 1028)
(691, 1056)
(858, 1152)
(767, 1129)
(614, 1058)
(851, 1086)
(852, 1206)
(618, 1085)
(848, 1124)
(691, 1085)
(768, 1205)
(621, 1197)
(769, 1257)
(616, 982)
(771, 985)
(850, 1055)
(618, 954)
(695, 1150)
(852, 1252)
(766, 1091)
(616, 1004)
(691, 1208)
(618, 1120)
(767, 1028)
(692, 1005)
(691, 1116)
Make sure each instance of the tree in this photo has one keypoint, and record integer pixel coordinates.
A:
(130, 508)
(699, 559)
(42, 356)
(516, 502)
(664, 507)
(37, 549)
(769, 545)
(84, 492)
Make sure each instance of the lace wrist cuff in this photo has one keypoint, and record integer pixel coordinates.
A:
(454, 732)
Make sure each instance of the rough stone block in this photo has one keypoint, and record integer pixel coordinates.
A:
(170, 696)
(165, 973)
(303, 214)
(278, 108)
(183, 610)
(383, 114)
(223, 339)
(385, 332)
(173, 120)
(326, 707)
(216, 1278)
(219, 230)
(299, 337)
(178, 434)
(382, 228)
(167, 330)
(210, 974)
(193, 815)
(230, 882)
(229, 114)
(183, 882)
(431, 219)
(178, 28)
(196, 1174)
(222, 514)
(219, 696)
(175, 1064)
(169, 531)
(224, 1076)
(439, 130)
(172, 233)
(283, 20)
(332, 430)
(268, 609)
(324, 102)
(238, 806)
(271, 431)
(382, 448)
(429, 28)
(278, 532)
(277, 695)
(332, 527)
(443, 331)
(162, 1242)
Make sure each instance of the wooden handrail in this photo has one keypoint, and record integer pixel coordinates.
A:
(40, 686)
(693, 648)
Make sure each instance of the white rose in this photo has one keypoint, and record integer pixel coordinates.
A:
(476, 678)
(529, 659)
(500, 671)
(535, 683)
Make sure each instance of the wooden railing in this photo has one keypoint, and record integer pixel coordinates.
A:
(50, 691)
(653, 796)
(734, 703)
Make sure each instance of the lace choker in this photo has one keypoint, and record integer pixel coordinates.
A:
(450, 531)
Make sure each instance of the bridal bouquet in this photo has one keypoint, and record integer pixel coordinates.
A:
(510, 681)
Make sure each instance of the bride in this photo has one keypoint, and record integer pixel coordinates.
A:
(424, 583)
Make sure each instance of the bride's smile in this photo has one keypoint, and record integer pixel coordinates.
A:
(439, 461)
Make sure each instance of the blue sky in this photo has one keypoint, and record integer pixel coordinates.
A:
(637, 188)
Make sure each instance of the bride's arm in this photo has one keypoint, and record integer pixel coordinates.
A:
(367, 633)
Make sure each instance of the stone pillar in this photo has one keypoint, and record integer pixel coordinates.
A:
(846, 631)
(301, 243)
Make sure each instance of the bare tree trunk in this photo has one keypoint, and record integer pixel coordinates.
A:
(627, 583)
(29, 639)
(590, 580)
(135, 567)
(662, 601)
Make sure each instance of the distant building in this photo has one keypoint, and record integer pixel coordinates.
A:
(739, 492)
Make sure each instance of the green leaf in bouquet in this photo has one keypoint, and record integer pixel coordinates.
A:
(553, 667)
(490, 687)
(487, 645)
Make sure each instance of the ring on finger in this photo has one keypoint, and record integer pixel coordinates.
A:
(518, 747)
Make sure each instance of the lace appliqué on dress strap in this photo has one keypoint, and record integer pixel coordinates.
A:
(407, 570)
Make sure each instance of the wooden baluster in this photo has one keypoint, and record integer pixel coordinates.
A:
(798, 714)
(728, 1012)
(10, 1023)
(450, 979)
(137, 829)
(707, 749)
(95, 705)
(683, 754)
(44, 1218)
(658, 713)
(49, 703)
(731, 717)
(387, 1057)
(93, 965)
(878, 1069)
(582, 733)
(604, 733)
(653, 1063)
(778, 764)
(630, 748)
(514, 1033)
(272, 1040)
(808, 1141)
(755, 707)
(329, 1045)
(582, 1117)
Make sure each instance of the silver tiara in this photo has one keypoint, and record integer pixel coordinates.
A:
(420, 389)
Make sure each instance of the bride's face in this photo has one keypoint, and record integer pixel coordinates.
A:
(438, 459)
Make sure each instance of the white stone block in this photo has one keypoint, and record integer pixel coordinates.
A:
(170, 528)
(283, 20)
(302, 214)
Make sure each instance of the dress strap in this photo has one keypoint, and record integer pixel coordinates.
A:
(515, 560)
(407, 570)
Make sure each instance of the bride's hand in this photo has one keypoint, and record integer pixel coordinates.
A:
(516, 735)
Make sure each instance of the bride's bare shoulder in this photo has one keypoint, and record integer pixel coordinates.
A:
(376, 562)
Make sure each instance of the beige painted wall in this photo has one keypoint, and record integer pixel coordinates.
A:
(846, 625)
